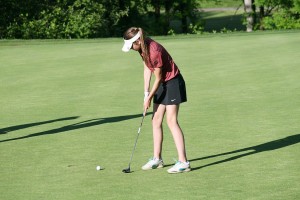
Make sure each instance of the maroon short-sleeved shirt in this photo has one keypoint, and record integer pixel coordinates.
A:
(159, 57)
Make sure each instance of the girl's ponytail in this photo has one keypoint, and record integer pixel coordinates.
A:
(144, 47)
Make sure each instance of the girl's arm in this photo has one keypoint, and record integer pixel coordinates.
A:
(147, 79)
(158, 77)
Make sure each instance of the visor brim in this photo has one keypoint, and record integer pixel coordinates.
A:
(127, 46)
(128, 43)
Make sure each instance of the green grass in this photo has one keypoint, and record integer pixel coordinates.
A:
(68, 106)
(231, 20)
(217, 21)
(219, 3)
(217, 17)
(223, 16)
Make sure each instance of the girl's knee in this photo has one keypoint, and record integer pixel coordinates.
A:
(172, 122)
(156, 121)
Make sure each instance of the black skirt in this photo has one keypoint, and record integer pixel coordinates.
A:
(172, 92)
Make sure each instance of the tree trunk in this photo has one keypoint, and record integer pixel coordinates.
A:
(157, 4)
(248, 7)
(184, 10)
(261, 16)
(168, 5)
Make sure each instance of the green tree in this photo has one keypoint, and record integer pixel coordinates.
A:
(279, 14)
(90, 18)
(11, 10)
(182, 9)
(68, 19)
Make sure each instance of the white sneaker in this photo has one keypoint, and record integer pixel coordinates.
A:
(180, 167)
(153, 163)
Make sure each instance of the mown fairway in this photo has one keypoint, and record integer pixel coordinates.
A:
(68, 106)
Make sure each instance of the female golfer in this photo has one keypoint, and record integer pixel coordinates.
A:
(167, 92)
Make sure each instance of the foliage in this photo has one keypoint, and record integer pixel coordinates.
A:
(279, 14)
(171, 32)
(92, 18)
(281, 20)
(196, 28)
(81, 19)
(109, 18)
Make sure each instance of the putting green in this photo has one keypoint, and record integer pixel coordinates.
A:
(69, 106)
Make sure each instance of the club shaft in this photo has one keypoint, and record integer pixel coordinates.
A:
(139, 131)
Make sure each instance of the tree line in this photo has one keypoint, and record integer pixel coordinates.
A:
(272, 14)
(32, 19)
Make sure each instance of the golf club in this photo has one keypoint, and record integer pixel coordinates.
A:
(127, 170)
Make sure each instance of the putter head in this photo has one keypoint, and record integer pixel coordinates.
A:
(127, 170)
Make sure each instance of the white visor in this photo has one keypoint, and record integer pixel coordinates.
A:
(128, 43)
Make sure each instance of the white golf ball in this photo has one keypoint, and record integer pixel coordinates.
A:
(98, 168)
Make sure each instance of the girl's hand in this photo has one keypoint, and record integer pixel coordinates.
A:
(147, 104)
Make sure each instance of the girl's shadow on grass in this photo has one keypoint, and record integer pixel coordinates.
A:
(75, 126)
(269, 146)
(23, 126)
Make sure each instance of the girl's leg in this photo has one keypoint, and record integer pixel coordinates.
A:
(157, 119)
(172, 114)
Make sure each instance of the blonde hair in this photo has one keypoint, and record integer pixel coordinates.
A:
(130, 33)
